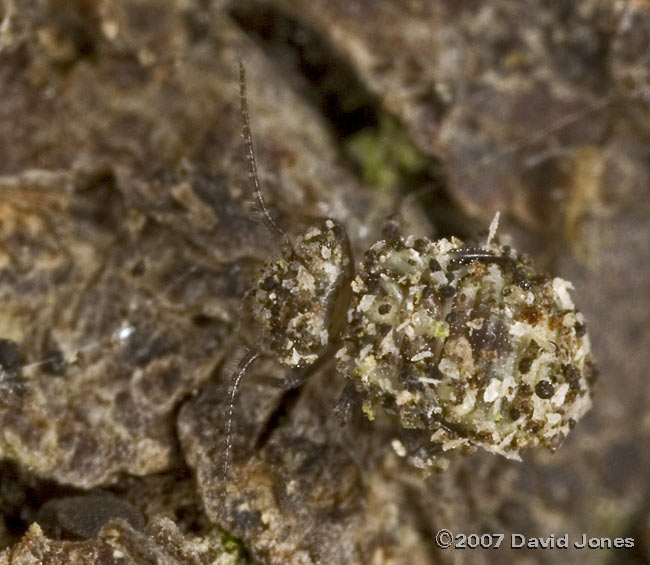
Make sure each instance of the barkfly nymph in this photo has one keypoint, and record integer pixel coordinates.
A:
(468, 345)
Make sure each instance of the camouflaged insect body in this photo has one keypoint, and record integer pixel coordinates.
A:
(467, 345)
(300, 299)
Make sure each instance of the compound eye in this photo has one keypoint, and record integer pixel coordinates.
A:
(300, 296)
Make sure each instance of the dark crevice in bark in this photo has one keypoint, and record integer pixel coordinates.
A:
(331, 85)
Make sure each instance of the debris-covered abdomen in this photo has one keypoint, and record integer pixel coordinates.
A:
(469, 345)
(298, 294)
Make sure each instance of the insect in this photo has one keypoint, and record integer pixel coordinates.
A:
(467, 346)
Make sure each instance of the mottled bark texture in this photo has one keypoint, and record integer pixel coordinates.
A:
(128, 241)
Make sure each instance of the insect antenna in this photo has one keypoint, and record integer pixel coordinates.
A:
(249, 358)
(270, 223)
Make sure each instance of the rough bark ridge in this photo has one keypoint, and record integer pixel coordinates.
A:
(128, 241)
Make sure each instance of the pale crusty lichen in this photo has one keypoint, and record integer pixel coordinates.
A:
(469, 345)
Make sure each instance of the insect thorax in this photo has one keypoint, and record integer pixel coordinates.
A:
(301, 296)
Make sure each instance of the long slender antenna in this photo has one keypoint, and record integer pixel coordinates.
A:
(245, 363)
(250, 155)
